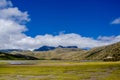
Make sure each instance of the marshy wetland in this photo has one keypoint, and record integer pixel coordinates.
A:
(58, 70)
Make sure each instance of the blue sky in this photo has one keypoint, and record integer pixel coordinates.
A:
(91, 18)
(30, 24)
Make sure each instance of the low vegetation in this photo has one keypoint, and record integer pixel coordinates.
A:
(61, 70)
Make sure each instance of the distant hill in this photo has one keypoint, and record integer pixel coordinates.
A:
(48, 48)
(56, 54)
(66, 46)
(45, 48)
(106, 53)
(11, 50)
(7, 56)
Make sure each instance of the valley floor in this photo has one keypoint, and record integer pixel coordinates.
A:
(60, 70)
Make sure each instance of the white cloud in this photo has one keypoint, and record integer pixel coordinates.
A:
(12, 33)
(106, 38)
(71, 39)
(116, 21)
(5, 3)
(14, 14)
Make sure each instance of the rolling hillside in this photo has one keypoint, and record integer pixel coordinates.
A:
(110, 52)
(57, 54)
(7, 56)
(105, 52)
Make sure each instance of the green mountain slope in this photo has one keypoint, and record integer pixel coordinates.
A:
(57, 54)
(110, 52)
(7, 56)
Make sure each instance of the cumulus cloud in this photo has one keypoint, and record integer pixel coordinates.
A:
(5, 3)
(14, 14)
(71, 39)
(116, 21)
(12, 34)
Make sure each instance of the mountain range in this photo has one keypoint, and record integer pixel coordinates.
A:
(104, 53)
(48, 48)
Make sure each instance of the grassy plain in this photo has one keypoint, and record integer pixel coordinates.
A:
(61, 70)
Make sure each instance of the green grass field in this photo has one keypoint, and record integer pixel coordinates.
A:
(61, 70)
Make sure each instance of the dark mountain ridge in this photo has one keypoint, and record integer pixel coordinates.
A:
(47, 48)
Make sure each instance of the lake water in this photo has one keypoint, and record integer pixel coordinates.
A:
(19, 62)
